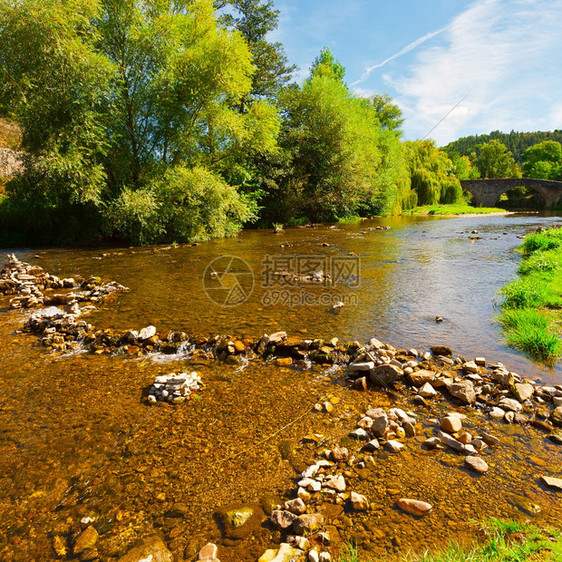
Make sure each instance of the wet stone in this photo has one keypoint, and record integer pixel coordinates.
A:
(451, 424)
(414, 507)
(283, 519)
(476, 464)
(151, 548)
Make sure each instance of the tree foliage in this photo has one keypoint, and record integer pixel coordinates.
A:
(515, 142)
(544, 161)
(341, 161)
(495, 161)
(255, 19)
(114, 95)
(432, 174)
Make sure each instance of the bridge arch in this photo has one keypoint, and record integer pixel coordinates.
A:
(487, 191)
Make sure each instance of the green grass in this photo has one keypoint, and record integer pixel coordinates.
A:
(439, 210)
(532, 305)
(350, 220)
(505, 541)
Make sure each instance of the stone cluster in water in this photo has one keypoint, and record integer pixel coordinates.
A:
(174, 388)
(28, 282)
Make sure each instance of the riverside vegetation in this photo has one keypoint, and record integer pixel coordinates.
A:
(531, 305)
(181, 123)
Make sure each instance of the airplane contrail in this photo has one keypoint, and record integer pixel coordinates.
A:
(403, 51)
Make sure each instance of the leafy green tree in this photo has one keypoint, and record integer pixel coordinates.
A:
(255, 19)
(114, 95)
(543, 160)
(341, 161)
(388, 113)
(495, 161)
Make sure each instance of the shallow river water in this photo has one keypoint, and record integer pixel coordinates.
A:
(77, 438)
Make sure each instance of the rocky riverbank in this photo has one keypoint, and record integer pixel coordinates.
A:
(324, 490)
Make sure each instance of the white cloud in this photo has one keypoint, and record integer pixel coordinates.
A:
(410, 47)
(502, 56)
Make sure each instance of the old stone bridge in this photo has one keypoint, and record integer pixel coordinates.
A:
(487, 192)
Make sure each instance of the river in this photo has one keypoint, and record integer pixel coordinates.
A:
(78, 440)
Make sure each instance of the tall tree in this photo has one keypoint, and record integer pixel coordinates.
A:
(495, 161)
(388, 113)
(432, 174)
(543, 160)
(255, 19)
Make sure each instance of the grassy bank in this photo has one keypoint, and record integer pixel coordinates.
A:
(440, 210)
(531, 306)
(504, 541)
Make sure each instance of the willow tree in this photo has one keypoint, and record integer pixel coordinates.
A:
(432, 174)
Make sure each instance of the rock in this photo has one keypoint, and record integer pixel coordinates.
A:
(86, 539)
(360, 367)
(523, 391)
(510, 404)
(285, 553)
(308, 522)
(556, 436)
(496, 414)
(277, 337)
(393, 446)
(380, 421)
(419, 378)
(463, 390)
(358, 502)
(476, 464)
(432, 442)
(503, 378)
(360, 434)
(313, 556)
(283, 519)
(296, 506)
(371, 446)
(147, 333)
(414, 507)
(209, 552)
(151, 548)
(480, 361)
(310, 484)
(470, 367)
(336, 482)
(451, 424)
(385, 375)
(556, 416)
(451, 442)
(554, 483)
(325, 557)
(339, 454)
(442, 350)
(365, 423)
(427, 391)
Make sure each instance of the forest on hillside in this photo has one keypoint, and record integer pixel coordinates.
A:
(516, 143)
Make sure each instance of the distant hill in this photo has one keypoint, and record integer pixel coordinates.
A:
(517, 143)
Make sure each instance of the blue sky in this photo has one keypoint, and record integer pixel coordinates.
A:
(455, 67)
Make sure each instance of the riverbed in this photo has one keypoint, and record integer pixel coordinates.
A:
(78, 440)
